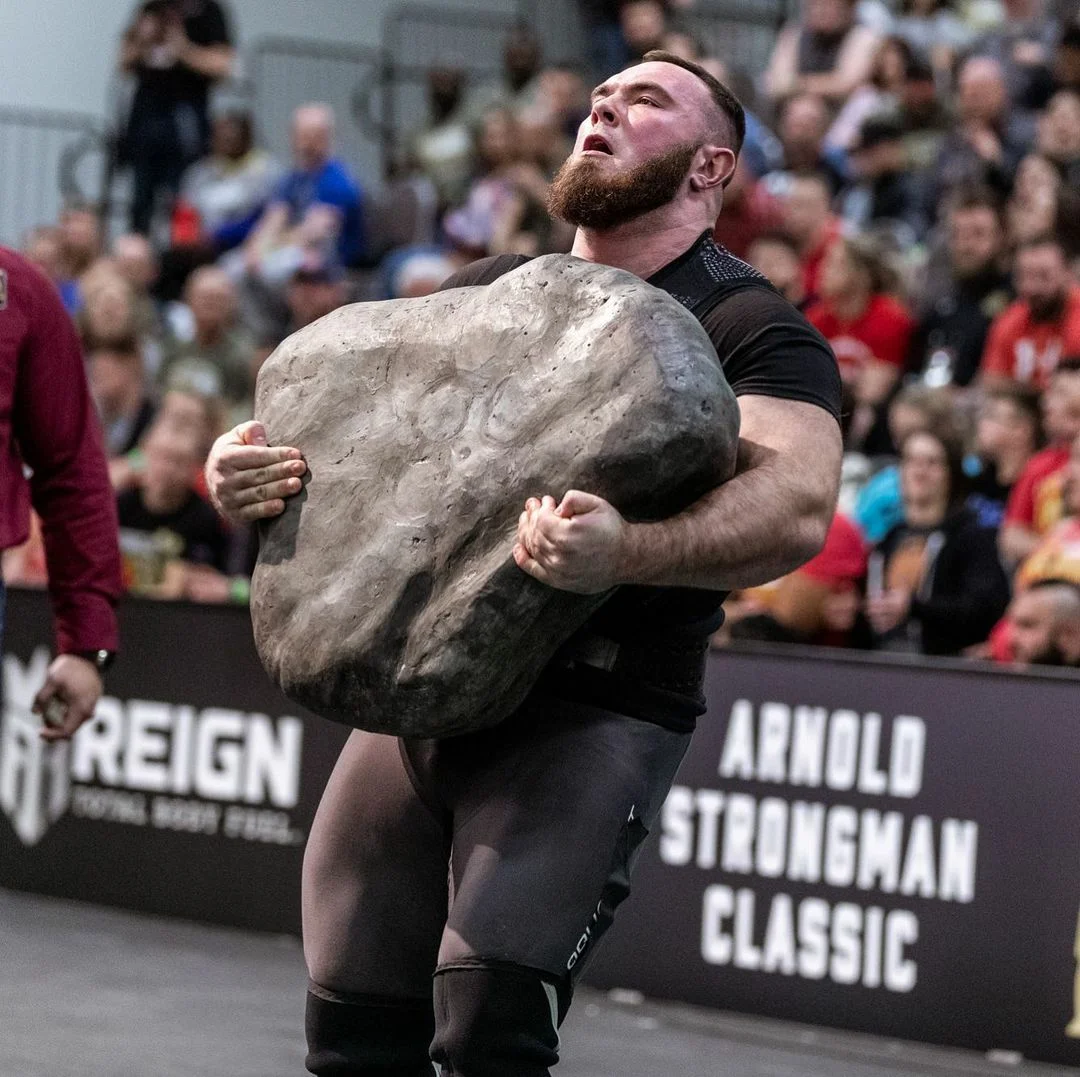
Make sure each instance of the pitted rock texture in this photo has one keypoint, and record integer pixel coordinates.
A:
(386, 596)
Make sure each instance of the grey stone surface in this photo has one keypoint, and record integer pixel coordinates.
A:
(93, 992)
(386, 596)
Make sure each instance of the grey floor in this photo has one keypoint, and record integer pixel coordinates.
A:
(91, 992)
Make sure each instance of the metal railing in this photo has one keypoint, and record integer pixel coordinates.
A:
(47, 158)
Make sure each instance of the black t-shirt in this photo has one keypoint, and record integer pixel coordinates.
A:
(766, 348)
(161, 91)
(200, 536)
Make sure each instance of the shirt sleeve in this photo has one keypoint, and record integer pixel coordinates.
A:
(59, 437)
(892, 338)
(767, 348)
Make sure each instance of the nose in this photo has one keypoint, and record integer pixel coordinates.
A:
(603, 111)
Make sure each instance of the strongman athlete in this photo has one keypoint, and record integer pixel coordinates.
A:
(496, 859)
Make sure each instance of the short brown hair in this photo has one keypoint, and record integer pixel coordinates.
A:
(725, 100)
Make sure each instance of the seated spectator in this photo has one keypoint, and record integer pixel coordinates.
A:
(644, 26)
(932, 28)
(443, 149)
(948, 342)
(80, 247)
(1027, 340)
(315, 290)
(815, 604)
(867, 328)
(809, 220)
(1066, 63)
(1024, 47)
(1058, 135)
(988, 139)
(1032, 209)
(213, 352)
(1057, 557)
(1008, 433)
(935, 585)
(492, 210)
(223, 194)
(804, 123)
(41, 247)
(114, 369)
(776, 255)
(924, 118)
(749, 211)
(317, 208)
(165, 526)
(1036, 502)
(134, 259)
(827, 53)
(879, 95)
(109, 310)
(1044, 625)
(884, 193)
(522, 58)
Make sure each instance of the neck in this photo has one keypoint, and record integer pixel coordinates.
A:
(641, 246)
(850, 306)
(929, 514)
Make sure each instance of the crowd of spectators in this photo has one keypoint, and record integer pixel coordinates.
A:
(910, 181)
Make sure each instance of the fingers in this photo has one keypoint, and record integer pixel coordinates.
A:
(261, 510)
(529, 564)
(45, 696)
(233, 457)
(576, 503)
(74, 717)
(265, 491)
(252, 433)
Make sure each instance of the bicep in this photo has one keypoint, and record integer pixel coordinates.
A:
(799, 441)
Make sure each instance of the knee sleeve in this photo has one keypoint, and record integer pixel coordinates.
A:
(495, 1022)
(368, 1036)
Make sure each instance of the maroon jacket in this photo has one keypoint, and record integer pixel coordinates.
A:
(48, 423)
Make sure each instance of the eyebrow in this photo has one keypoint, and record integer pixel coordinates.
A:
(632, 88)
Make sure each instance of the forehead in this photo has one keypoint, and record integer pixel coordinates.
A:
(684, 87)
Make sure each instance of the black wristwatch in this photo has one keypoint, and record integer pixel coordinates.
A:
(102, 659)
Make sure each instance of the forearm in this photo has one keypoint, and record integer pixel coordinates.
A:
(1017, 542)
(758, 526)
(212, 61)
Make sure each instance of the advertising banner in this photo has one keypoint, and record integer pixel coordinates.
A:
(880, 846)
(887, 848)
(192, 790)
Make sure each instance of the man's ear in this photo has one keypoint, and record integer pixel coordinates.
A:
(714, 167)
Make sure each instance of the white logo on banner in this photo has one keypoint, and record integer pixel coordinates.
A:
(847, 851)
(146, 763)
(35, 788)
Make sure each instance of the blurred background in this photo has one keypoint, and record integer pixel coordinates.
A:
(200, 178)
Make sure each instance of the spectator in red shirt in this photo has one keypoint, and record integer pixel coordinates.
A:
(1036, 502)
(809, 220)
(867, 329)
(47, 423)
(1029, 338)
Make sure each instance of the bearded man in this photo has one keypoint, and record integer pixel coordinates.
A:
(537, 819)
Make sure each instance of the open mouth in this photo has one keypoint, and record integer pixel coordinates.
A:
(595, 142)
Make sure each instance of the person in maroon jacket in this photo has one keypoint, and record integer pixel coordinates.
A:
(48, 424)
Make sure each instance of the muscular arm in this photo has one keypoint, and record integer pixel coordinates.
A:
(771, 517)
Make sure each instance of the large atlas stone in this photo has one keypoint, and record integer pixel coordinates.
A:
(386, 596)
